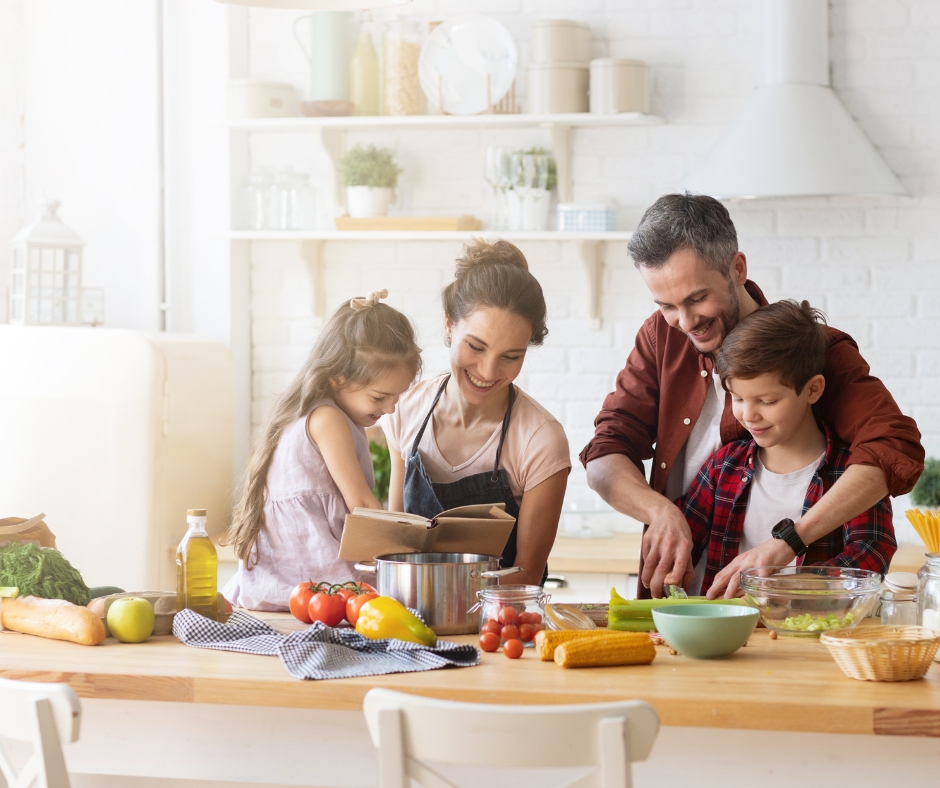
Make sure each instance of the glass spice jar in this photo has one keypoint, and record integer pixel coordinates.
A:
(928, 595)
(899, 599)
(513, 612)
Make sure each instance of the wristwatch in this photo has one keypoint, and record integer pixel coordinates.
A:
(785, 530)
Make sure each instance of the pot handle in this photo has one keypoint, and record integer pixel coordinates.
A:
(367, 566)
(502, 572)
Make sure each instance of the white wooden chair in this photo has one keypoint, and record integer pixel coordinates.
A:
(46, 716)
(408, 730)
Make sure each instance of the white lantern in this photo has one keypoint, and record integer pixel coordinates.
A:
(46, 287)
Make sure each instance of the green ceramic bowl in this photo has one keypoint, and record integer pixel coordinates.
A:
(706, 631)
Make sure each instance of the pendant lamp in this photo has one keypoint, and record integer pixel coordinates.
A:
(318, 5)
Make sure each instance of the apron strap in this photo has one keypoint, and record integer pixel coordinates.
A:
(503, 431)
(417, 440)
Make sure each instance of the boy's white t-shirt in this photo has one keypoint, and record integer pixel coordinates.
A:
(773, 497)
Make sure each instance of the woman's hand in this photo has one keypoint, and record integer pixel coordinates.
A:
(329, 430)
(535, 529)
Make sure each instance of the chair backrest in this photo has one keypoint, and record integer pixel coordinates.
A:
(46, 715)
(408, 729)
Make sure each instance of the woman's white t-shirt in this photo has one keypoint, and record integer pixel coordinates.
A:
(535, 448)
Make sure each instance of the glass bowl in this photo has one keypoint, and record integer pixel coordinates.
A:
(809, 600)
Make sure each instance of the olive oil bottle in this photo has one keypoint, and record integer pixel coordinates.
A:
(197, 568)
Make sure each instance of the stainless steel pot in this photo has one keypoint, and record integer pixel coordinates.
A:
(442, 587)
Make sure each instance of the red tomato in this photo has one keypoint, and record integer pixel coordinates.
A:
(354, 603)
(508, 615)
(489, 641)
(346, 592)
(536, 618)
(525, 618)
(369, 589)
(300, 600)
(513, 648)
(527, 632)
(492, 625)
(510, 632)
(326, 607)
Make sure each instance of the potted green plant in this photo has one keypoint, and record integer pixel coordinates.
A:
(927, 490)
(370, 174)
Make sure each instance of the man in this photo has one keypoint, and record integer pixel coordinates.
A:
(668, 396)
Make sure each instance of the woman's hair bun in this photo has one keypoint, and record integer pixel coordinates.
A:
(480, 252)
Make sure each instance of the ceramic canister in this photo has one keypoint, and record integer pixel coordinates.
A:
(555, 40)
(619, 85)
(557, 87)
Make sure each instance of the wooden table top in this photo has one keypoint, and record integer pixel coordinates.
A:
(785, 684)
(620, 554)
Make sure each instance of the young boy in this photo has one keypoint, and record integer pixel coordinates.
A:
(753, 490)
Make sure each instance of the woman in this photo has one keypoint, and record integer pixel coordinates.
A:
(470, 436)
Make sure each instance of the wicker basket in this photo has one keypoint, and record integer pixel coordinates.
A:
(879, 653)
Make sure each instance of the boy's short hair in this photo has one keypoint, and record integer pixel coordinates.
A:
(786, 339)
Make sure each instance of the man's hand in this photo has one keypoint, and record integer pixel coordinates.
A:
(667, 551)
(773, 552)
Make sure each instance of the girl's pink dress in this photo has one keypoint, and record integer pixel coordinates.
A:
(303, 514)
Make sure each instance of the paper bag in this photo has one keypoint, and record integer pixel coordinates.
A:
(16, 529)
(483, 528)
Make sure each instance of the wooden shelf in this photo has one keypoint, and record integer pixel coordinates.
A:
(422, 235)
(575, 119)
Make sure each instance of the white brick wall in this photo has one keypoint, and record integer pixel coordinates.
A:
(872, 264)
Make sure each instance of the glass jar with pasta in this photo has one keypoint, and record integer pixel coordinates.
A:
(402, 94)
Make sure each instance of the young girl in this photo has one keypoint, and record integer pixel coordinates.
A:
(313, 464)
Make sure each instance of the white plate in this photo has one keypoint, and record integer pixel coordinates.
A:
(456, 59)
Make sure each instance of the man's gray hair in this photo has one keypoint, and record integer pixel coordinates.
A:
(685, 221)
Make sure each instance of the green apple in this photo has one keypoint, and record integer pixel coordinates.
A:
(130, 619)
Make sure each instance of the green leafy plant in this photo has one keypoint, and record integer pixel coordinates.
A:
(370, 166)
(552, 171)
(382, 466)
(927, 490)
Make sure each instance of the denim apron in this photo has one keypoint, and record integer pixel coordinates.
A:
(429, 499)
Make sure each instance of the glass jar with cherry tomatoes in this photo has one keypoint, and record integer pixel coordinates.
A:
(513, 612)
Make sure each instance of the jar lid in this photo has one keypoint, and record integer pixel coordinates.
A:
(559, 23)
(567, 617)
(612, 62)
(195, 512)
(512, 592)
(901, 581)
(558, 65)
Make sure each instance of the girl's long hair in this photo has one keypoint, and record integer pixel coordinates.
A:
(358, 344)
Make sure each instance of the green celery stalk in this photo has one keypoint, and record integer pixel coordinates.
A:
(643, 608)
(632, 625)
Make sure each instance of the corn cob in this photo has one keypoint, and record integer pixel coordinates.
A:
(620, 648)
(547, 640)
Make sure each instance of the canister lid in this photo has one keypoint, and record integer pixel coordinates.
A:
(559, 23)
(614, 62)
(900, 585)
(558, 65)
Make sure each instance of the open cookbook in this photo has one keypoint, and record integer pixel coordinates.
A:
(481, 528)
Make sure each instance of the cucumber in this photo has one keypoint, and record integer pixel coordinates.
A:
(98, 591)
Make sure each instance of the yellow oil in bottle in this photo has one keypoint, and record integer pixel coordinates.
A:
(197, 568)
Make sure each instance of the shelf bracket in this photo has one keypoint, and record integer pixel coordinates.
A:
(312, 254)
(560, 136)
(592, 260)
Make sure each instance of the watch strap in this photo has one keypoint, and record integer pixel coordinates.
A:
(786, 530)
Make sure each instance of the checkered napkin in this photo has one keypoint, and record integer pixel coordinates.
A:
(320, 652)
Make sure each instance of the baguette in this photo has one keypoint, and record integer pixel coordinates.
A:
(52, 618)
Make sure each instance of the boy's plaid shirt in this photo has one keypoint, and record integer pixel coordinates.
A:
(717, 501)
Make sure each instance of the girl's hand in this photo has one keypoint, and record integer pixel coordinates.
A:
(329, 430)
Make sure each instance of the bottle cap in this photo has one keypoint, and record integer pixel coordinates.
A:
(195, 512)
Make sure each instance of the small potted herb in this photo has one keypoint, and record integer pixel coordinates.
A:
(370, 175)
(927, 490)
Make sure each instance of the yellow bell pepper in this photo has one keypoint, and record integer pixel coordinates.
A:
(384, 617)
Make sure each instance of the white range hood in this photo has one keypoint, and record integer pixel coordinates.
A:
(793, 138)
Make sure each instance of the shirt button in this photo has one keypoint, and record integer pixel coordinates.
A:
(687, 421)
(704, 373)
(662, 465)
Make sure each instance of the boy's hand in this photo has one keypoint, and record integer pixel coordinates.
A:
(727, 583)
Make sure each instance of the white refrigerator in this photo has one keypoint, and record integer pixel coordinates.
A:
(114, 434)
